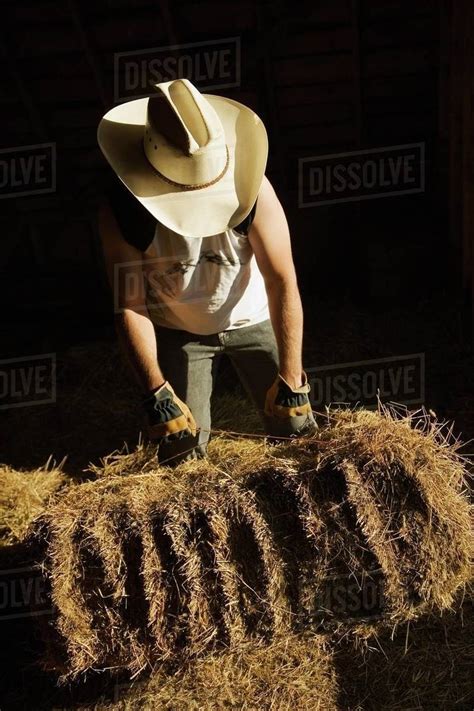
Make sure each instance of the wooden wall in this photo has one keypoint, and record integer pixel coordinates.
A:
(325, 75)
(456, 138)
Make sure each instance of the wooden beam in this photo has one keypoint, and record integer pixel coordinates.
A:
(357, 72)
(266, 93)
(36, 120)
(167, 18)
(456, 122)
(468, 151)
(38, 123)
(91, 56)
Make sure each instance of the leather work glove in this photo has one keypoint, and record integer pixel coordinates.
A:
(282, 401)
(169, 418)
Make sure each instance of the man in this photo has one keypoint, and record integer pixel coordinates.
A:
(216, 273)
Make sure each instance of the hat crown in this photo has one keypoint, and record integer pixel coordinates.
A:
(184, 138)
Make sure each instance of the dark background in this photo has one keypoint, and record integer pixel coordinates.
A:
(379, 278)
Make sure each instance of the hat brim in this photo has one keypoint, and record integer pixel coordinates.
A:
(191, 213)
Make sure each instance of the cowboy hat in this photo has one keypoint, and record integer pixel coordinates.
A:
(195, 161)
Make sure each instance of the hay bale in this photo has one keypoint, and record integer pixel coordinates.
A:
(23, 496)
(168, 564)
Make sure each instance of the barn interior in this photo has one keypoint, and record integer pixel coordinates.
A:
(386, 272)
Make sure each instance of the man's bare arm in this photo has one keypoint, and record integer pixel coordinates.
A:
(270, 239)
(133, 325)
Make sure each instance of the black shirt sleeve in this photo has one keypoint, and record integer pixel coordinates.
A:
(136, 223)
(244, 226)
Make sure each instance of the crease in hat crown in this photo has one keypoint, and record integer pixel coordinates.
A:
(184, 140)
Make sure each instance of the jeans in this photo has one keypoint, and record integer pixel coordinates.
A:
(189, 362)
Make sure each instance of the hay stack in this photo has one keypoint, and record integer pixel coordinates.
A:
(167, 564)
(23, 496)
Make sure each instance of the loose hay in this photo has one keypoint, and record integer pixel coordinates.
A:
(23, 496)
(427, 664)
(168, 564)
(285, 675)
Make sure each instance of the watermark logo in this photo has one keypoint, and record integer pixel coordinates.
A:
(361, 175)
(160, 283)
(27, 170)
(23, 593)
(214, 64)
(399, 379)
(29, 380)
(349, 597)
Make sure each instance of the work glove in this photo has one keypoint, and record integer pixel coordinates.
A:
(283, 401)
(168, 417)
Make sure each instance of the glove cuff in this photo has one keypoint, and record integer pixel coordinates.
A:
(157, 389)
(154, 396)
(305, 388)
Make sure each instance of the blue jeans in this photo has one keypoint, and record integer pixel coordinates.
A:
(189, 362)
